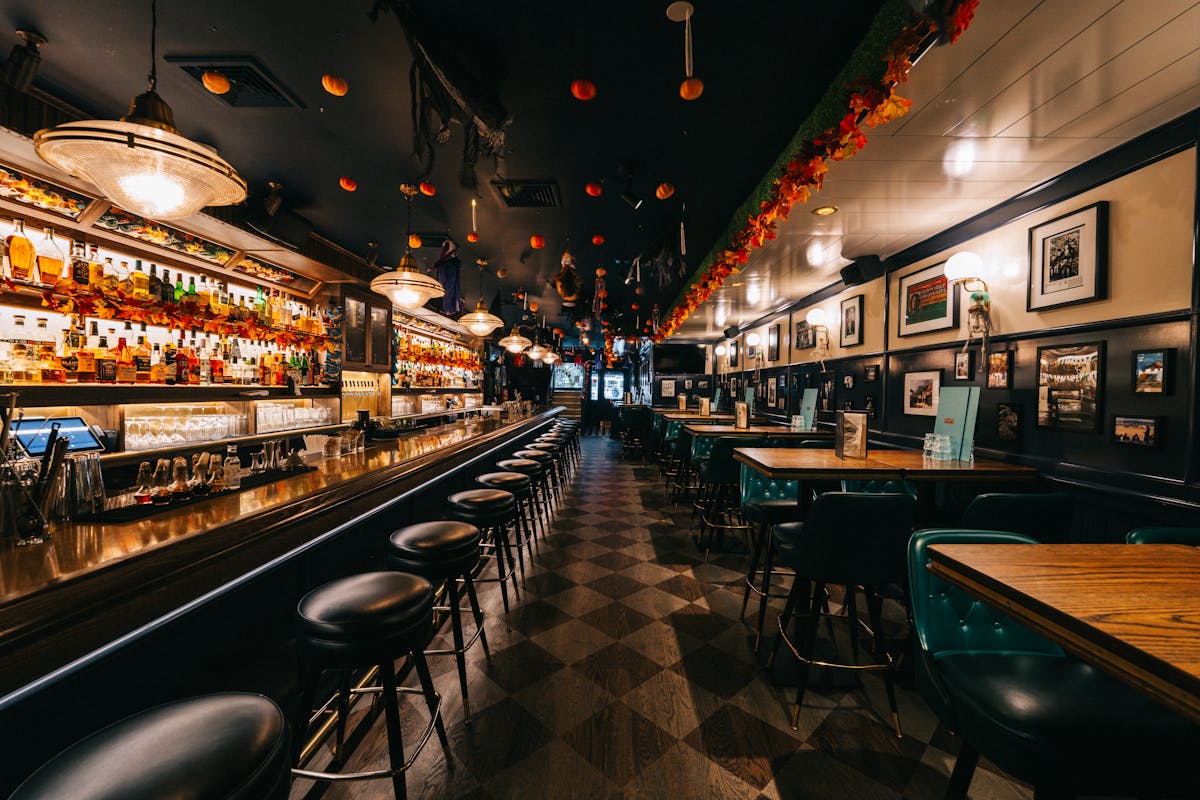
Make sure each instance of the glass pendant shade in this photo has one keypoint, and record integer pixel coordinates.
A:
(479, 322)
(406, 286)
(515, 342)
(536, 352)
(142, 163)
(550, 357)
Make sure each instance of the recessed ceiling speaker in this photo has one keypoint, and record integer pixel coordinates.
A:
(863, 269)
(730, 332)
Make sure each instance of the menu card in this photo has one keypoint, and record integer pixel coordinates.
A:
(705, 406)
(683, 402)
(808, 408)
(850, 436)
(741, 415)
(957, 409)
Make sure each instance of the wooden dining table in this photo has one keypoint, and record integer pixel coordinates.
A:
(1132, 611)
(693, 416)
(756, 431)
(784, 463)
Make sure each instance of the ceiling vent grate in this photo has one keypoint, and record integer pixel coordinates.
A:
(528, 193)
(251, 85)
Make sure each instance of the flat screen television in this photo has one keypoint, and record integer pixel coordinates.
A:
(678, 359)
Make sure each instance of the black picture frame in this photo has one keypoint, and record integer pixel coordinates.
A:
(913, 287)
(871, 373)
(1136, 430)
(1141, 365)
(1010, 419)
(1065, 404)
(1082, 235)
(928, 398)
(999, 370)
(964, 365)
(847, 381)
(773, 343)
(869, 405)
(850, 324)
(733, 353)
(806, 336)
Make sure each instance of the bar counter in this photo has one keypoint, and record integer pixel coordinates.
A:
(92, 583)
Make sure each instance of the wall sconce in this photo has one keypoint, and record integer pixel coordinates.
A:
(964, 269)
(720, 351)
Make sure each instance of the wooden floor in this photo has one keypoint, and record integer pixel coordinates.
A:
(625, 672)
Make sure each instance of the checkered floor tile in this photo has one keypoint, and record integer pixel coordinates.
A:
(625, 671)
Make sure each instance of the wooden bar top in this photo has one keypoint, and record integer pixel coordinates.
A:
(1131, 610)
(783, 463)
(755, 430)
(138, 570)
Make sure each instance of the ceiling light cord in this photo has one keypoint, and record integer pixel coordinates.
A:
(152, 78)
(687, 44)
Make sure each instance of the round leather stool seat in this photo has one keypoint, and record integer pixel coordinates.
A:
(489, 501)
(543, 457)
(513, 482)
(525, 466)
(216, 747)
(368, 618)
(435, 550)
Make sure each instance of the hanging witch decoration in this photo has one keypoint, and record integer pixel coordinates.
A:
(448, 271)
(566, 282)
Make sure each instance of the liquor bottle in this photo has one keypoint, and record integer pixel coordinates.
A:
(203, 295)
(193, 363)
(167, 290)
(191, 299)
(125, 279)
(22, 258)
(179, 292)
(154, 287)
(223, 299)
(143, 487)
(205, 364)
(87, 358)
(50, 258)
(142, 363)
(81, 270)
(111, 281)
(158, 369)
(140, 281)
(160, 492)
(95, 279)
(265, 370)
(260, 306)
(106, 362)
(126, 370)
(69, 360)
(216, 366)
(181, 363)
(50, 368)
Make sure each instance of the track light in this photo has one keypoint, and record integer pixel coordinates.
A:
(632, 199)
(23, 60)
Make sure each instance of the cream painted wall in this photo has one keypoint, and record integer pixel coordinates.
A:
(872, 322)
(1149, 262)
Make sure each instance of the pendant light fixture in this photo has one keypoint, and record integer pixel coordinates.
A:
(515, 342)
(406, 285)
(536, 350)
(479, 322)
(142, 162)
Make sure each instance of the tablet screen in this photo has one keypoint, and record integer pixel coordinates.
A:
(32, 433)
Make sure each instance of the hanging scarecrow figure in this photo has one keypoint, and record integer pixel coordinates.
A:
(447, 270)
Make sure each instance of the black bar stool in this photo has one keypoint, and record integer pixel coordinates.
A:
(490, 510)
(363, 621)
(556, 450)
(538, 487)
(220, 746)
(547, 483)
(545, 457)
(521, 488)
(445, 552)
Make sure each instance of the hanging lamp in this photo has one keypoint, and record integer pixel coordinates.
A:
(480, 322)
(142, 162)
(406, 286)
(536, 349)
(515, 342)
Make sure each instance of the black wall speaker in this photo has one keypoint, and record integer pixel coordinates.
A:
(862, 270)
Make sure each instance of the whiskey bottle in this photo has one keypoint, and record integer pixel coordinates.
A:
(22, 258)
(50, 258)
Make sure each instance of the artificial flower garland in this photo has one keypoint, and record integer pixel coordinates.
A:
(868, 106)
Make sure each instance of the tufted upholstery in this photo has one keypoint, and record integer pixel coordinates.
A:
(1189, 536)
(216, 747)
(720, 466)
(762, 496)
(1048, 518)
(877, 487)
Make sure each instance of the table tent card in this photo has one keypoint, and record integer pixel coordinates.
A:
(958, 407)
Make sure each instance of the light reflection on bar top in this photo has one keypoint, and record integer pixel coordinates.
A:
(75, 548)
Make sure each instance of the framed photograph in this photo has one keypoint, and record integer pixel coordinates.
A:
(852, 321)
(964, 365)
(733, 353)
(999, 370)
(1152, 370)
(806, 337)
(1068, 259)
(773, 343)
(847, 405)
(782, 382)
(847, 381)
(869, 406)
(921, 392)
(1136, 431)
(926, 302)
(752, 351)
(828, 391)
(1069, 381)
(1008, 422)
(772, 394)
(871, 373)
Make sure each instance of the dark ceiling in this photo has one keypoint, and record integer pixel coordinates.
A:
(764, 64)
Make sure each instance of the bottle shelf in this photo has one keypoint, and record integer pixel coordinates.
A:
(415, 390)
(32, 395)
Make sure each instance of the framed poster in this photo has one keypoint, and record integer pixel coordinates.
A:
(1068, 259)
(1152, 370)
(847, 381)
(733, 353)
(869, 406)
(927, 302)
(783, 396)
(964, 365)
(772, 393)
(1136, 431)
(806, 337)
(773, 343)
(999, 370)
(871, 373)
(852, 320)
(1069, 386)
(828, 391)
(921, 392)
(1008, 422)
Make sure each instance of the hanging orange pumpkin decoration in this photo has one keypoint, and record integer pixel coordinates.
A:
(335, 85)
(533, 306)
(537, 242)
(638, 289)
(594, 189)
(664, 191)
(472, 237)
(347, 183)
(414, 241)
(634, 306)
(502, 273)
(583, 89)
(558, 331)
(691, 88)
(427, 189)
(215, 82)
(604, 307)
(597, 240)
(601, 272)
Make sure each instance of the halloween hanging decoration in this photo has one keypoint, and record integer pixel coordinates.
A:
(597, 240)
(335, 85)
(654, 315)
(472, 237)
(414, 241)
(594, 189)
(442, 83)
(348, 183)
(583, 89)
(566, 282)
(664, 191)
(601, 294)
(448, 271)
(537, 242)
(215, 82)
(427, 188)
(681, 11)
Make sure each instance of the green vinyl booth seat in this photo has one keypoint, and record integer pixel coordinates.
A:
(1048, 517)
(1189, 536)
(1017, 699)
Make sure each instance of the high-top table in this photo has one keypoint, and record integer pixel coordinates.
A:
(782, 463)
(1130, 610)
